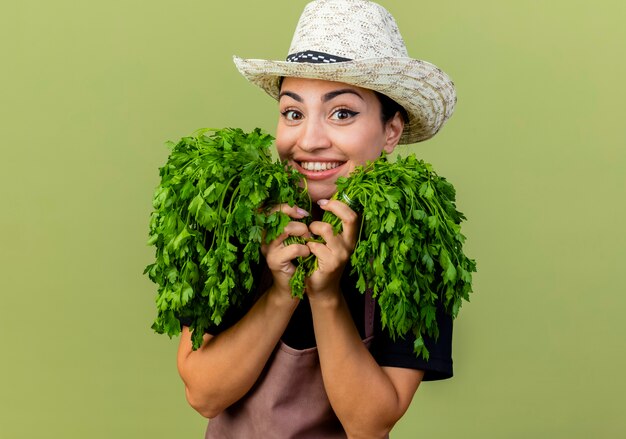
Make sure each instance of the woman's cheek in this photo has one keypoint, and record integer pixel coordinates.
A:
(282, 142)
(280, 149)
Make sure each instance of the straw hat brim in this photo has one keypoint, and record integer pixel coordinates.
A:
(426, 93)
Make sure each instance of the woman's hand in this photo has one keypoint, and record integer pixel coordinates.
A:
(279, 256)
(333, 255)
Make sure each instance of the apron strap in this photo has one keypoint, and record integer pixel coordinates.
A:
(370, 304)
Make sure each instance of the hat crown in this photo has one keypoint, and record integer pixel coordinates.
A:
(353, 29)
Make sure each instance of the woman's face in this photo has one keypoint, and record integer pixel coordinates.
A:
(326, 129)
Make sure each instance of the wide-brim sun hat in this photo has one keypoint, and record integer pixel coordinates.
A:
(358, 42)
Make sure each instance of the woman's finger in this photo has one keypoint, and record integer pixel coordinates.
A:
(325, 231)
(293, 228)
(293, 211)
(279, 257)
(349, 218)
(335, 247)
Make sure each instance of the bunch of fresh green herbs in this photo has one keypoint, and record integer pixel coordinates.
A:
(409, 251)
(211, 215)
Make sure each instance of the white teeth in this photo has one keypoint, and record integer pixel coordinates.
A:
(319, 166)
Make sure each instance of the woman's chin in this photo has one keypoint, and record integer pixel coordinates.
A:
(317, 195)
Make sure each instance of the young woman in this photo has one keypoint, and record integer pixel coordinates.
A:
(322, 367)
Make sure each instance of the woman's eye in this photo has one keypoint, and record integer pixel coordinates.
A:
(343, 114)
(292, 115)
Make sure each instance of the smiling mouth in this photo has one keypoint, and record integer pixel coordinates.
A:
(319, 166)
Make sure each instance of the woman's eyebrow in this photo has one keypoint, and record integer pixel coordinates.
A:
(292, 95)
(333, 94)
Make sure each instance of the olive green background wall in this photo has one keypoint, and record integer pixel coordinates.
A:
(89, 93)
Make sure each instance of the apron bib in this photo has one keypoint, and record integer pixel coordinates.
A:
(288, 401)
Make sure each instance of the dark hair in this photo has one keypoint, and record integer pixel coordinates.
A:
(389, 108)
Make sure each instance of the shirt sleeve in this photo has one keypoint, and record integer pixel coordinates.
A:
(399, 352)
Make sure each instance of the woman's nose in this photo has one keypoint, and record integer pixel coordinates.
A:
(313, 136)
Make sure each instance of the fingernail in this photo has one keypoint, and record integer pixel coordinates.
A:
(302, 211)
(322, 202)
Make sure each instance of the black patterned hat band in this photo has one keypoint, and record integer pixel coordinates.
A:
(312, 56)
